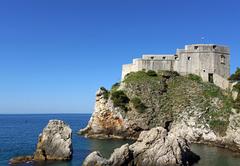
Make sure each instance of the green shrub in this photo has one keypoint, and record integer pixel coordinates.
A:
(219, 126)
(129, 74)
(237, 101)
(235, 76)
(151, 73)
(213, 91)
(138, 105)
(237, 87)
(139, 76)
(167, 74)
(115, 86)
(194, 77)
(106, 93)
(119, 99)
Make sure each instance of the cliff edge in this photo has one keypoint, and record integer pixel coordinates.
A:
(195, 110)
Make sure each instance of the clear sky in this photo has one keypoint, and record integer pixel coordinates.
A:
(55, 54)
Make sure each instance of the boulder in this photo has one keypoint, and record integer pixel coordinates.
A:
(96, 159)
(154, 147)
(20, 159)
(55, 142)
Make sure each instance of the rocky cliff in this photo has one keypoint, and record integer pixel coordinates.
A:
(54, 143)
(198, 111)
(153, 147)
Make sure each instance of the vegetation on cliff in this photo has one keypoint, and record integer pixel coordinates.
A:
(235, 76)
(185, 105)
(237, 101)
(163, 96)
(152, 99)
(120, 99)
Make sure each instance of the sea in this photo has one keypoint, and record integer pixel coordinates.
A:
(19, 136)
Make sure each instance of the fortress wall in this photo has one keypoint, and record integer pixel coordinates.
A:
(187, 63)
(157, 65)
(158, 57)
(206, 64)
(127, 68)
(204, 76)
(220, 81)
(140, 64)
(223, 69)
(206, 48)
(199, 59)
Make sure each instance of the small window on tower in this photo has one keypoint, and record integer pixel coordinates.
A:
(152, 57)
(164, 57)
(176, 57)
(189, 58)
(223, 59)
(195, 47)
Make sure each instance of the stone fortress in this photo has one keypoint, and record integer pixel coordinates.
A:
(209, 61)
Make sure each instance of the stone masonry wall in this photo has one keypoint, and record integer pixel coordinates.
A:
(199, 59)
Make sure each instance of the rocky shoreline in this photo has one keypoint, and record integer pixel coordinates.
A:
(164, 112)
(208, 116)
(153, 147)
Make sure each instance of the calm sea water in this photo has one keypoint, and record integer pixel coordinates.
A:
(19, 135)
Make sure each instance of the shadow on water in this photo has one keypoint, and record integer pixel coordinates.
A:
(214, 156)
(106, 147)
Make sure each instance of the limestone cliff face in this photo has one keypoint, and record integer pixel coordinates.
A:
(197, 111)
(108, 121)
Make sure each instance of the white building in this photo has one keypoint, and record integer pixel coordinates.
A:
(211, 62)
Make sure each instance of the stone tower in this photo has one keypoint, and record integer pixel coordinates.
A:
(211, 62)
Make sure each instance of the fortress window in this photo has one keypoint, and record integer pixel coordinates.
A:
(223, 59)
(195, 47)
(164, 57)
(204, 70)
(189, 58)
(214, 47)
(152, 57)
(176, 57)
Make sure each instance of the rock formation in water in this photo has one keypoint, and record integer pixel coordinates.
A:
(20, 160)
(197, 111)
(154, 147)
(55, 142)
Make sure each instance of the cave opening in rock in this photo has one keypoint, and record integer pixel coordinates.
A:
(167, 125)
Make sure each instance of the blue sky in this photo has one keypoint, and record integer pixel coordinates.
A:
(55, 54)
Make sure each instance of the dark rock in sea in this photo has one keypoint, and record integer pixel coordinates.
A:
(20, 159)
(55, 142)
(154, 147)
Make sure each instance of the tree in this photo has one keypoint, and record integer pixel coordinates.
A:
(235, 76)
